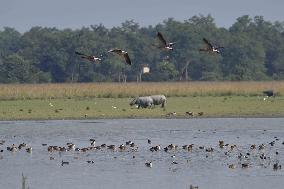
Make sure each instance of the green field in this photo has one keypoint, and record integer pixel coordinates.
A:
(111, 100)
(82, 108)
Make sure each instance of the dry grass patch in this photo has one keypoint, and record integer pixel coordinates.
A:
(122, 90)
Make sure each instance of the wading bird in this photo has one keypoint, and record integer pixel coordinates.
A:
(122, 53)
(88, 57)
(165, 45)
(210, 48)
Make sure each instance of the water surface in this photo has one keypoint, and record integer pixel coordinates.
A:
(116, 169)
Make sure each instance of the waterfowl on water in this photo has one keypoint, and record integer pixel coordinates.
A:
(165, 45)
(209, 149)
(112, 147)
(149, 164)
(121, 53)
(93, 142)
(276, 166)
(232, 166)
(187, 147)
(98, 147)
(62, 149)
(71, 146)
(245, 165)
(155, 148)
(166, 149)
(122, 147)
(132, 144)
(149, 141)
(210, 48)
(29, 150)
(172, 146)
(64, 163)
(22, 145)
(88, 57)
(12, 148)
(128, 142)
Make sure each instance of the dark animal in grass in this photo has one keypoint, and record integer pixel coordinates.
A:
(269, 93)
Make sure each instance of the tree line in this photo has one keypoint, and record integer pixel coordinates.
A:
(254, 50)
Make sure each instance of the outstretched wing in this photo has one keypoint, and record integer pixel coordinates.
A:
(161, 38)
(208, 43)
(117, 51)
(81, 54)
(127, 59)
(84, 56)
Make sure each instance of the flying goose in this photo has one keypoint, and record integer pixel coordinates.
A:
(166, 45)
(88, 57)
(210, 48)
(122, 53)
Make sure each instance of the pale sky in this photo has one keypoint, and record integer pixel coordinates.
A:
(24, 14)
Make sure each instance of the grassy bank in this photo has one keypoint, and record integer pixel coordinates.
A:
(124, 90)
(229, 106)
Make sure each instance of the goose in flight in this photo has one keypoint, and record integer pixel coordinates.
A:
(122, 53)
(210, 48)
(165, 45)
(88, 57)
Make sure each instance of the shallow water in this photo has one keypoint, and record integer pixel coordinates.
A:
(115, 169)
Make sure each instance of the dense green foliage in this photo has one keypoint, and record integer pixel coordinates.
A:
(254, 51)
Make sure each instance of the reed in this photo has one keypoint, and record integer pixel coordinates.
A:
(123, 90)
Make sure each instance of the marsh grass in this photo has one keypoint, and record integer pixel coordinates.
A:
(124, 90)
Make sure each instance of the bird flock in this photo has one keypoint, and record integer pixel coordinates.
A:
(265, 155)
(163, 45)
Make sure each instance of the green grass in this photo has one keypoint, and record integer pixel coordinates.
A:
(230, 106)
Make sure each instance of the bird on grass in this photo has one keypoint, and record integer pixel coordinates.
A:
(164, 44)
(121, 53)
(88, 57)
(211, 48)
